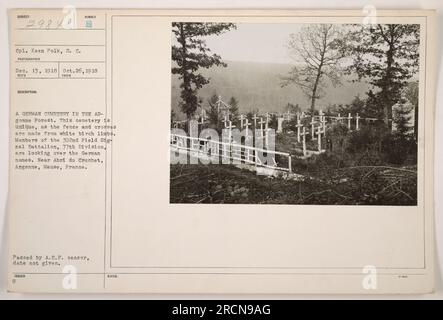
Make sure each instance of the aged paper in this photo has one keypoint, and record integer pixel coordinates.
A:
(243, 151)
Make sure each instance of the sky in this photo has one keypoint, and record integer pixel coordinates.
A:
(254, 42)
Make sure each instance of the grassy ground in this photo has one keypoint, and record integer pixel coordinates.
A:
(344, 176)
(349, 186)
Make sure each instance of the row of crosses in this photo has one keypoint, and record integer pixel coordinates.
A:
(245, 124)
(288, 116)
(340, 119)
(317, 125)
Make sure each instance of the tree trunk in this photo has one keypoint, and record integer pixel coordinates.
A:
(315, 88)
(386, 94)
(314, 95)
(319, 71)
(186, 81)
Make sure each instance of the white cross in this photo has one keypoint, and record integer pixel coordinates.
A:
(226, 119)
(242, 117)
(303, 134)
(230, 127)
(298, 126)
(357, 118)
(288, 115)
(247, 124)
(319, 132)
(349, 121)
(323, 122)
(267, 120)
(338, 118)
(255, 120)
(261, 122)
(280, 124)
(312, 123)
(202, 121)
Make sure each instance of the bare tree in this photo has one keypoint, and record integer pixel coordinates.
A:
(316, 54)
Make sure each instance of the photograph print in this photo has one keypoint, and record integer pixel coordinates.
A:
(287, 113)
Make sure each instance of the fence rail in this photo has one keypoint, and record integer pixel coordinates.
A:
(235, 152)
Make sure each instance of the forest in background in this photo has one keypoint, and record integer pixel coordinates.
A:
(257, 86)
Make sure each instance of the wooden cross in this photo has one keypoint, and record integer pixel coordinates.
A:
(349, 121)
(202, 121)
(338, 118)
(357, 118)
(312, 123)
(203, 113)
(319, 132)
(255, 120)
(230, 127)
(226, 120)
(247, 151)
(247, 124)
(242, 117)
(323, 122)
(261, 122)
(298, 126)
(280, 124)
(267, 120)
(267, 130)
(303, 134)
(288, 115)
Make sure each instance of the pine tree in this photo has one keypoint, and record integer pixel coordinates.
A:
(356, 106)
(372, 107)
(273, 122)
(387, 56)
(233, 110)
(189, 54)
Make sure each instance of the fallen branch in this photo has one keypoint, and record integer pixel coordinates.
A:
(379, 167)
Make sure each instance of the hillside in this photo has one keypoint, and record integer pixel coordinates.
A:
(257, 86)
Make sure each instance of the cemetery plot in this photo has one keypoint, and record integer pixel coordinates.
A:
(360, 149)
